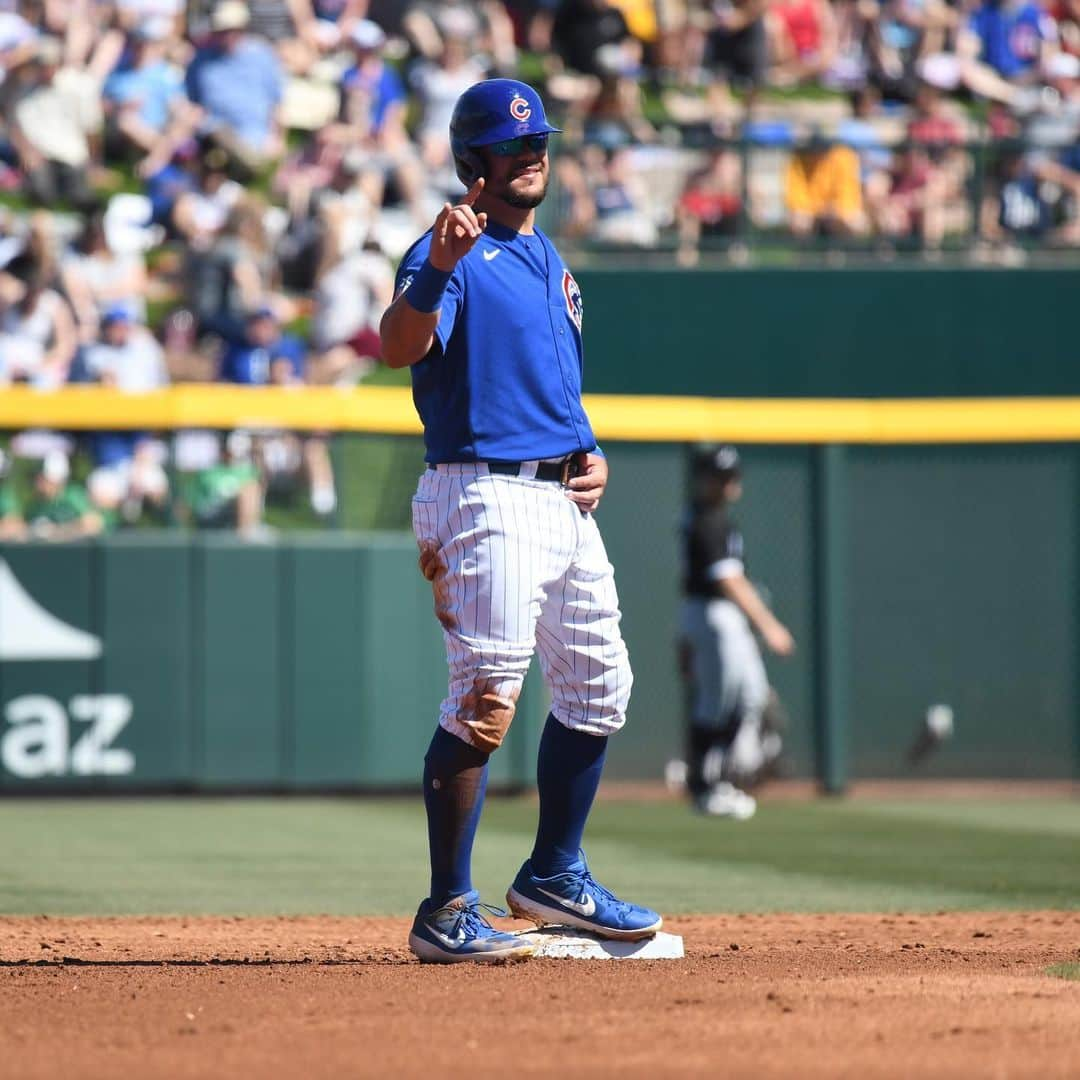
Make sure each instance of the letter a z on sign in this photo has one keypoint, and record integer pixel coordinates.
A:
(38, 739)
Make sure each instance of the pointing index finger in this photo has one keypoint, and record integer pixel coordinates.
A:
(474, 192)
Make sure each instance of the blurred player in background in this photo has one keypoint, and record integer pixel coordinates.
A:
(728, 741)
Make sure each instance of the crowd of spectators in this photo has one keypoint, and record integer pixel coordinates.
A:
(218, 190)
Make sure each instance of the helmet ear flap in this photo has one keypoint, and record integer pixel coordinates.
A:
(469, 165)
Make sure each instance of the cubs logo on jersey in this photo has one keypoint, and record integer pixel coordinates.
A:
(572, 295)
(520, 109)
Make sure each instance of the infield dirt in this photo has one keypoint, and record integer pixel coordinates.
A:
(950, 995)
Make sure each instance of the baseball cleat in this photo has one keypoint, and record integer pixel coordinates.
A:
(575, 899)
(726, 800)
(460, 931)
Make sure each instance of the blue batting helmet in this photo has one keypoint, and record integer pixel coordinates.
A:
(490, 112)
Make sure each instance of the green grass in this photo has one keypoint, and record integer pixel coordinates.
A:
(368, 856)
(1065, 971)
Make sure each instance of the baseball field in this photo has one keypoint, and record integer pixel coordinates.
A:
(883, 936)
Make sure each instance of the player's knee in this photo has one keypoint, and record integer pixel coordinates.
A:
(600, 705)
(487, 711)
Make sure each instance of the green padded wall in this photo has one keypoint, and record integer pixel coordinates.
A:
(866, 331)
(324, 683)
(964, 592)
(144, 617)
(238, 632)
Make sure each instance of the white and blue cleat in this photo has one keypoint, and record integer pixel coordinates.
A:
(459, 931)
(575, 899)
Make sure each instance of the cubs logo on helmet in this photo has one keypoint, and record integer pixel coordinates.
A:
(519, 109)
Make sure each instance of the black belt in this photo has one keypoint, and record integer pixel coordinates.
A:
(554, 471)
(545, 470)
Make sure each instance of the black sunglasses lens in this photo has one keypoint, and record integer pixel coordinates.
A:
(512, 147)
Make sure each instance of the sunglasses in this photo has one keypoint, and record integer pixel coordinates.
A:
(535, 144)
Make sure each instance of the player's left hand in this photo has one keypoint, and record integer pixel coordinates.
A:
(587, 488)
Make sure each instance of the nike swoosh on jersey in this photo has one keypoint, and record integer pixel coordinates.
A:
(586, 909)
(490, 253)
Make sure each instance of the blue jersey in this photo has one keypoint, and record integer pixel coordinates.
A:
(503, 379)
(250, 364)
(1011, 36)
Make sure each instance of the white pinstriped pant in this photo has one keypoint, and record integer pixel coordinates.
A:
(520, 569)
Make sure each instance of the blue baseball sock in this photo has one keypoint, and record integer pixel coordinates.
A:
(455, 779)
(567, 774)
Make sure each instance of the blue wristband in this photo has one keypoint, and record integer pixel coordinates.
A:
(425, 291)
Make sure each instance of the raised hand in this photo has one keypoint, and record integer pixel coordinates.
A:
(456, 229)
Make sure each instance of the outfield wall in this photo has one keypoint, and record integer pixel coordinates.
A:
(910, 576)
(873, 331)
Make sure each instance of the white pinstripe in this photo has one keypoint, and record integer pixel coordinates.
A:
(525, 571)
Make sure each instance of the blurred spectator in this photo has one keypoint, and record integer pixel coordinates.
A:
(711, 203)
(311, 168)
(1001, 52)
(12, 525)
(860, 132)
(147, 111)
(202, 197)
(583, 29)
(932, 123)
(235, 275)
(95, 278)
(236, 79)
(438, 84)
(822, 190)
(1066, 14)
(127, 356)
(1032, 197)
(220, 494)
(336, 18)
(291, 28)
(428, 24)
(18, 41)
(37, 331)
(374, 104)
(352, 291)
(620, 212)
(48, 126)
(901, 34)
(266, 356)
(802, 40)
(262, 355)
(1014, 207)
(855, 22)
(737, 47)
(59, 509)
(134, 13)
(128, 472)
(916, 203)
(613, 109)
(1014, 37)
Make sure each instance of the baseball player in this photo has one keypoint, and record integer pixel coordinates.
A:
(728, 687)
(488, 318)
